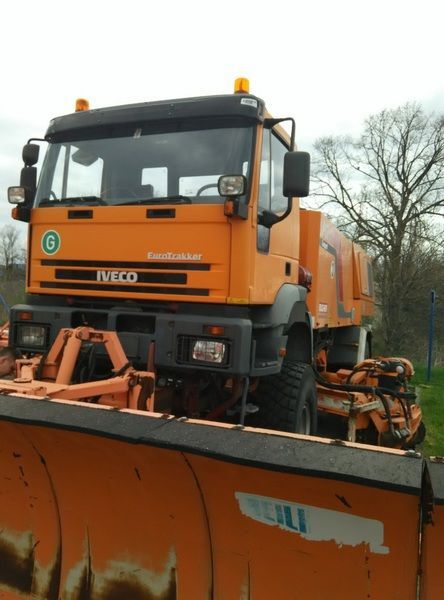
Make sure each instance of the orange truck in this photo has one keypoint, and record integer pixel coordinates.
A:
(177, 225)
(186, 323)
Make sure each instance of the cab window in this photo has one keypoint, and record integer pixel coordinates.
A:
(271, 182)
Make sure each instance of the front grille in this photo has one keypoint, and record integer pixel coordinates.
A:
(103, 287)
(173, 278)
(124, 276)
(110, 264)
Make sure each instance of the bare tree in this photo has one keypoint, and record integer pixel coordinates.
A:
(390, 186)
(11, 249)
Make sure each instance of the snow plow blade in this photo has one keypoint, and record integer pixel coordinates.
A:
(102, 503)
(432, 580)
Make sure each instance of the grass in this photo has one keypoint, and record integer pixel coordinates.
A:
(431, 396)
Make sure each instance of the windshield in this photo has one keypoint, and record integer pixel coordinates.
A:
(178, 164)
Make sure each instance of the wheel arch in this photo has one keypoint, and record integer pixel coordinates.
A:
(300, 341)
(285, 324)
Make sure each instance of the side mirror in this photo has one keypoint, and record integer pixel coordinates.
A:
(30, 154)
(296, 174)
(28, 180)
(23, 195)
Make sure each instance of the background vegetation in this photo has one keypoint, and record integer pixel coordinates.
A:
(386, 190)
(12, 269)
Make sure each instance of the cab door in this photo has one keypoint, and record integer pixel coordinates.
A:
(277, 248)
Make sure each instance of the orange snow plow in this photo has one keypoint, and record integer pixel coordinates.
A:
(104, 498)
(104, 503)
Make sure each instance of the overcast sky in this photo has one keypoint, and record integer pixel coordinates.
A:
(327, 63)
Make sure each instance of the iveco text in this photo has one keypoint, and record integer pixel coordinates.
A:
(123, 276)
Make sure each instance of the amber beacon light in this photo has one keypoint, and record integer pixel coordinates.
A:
(241, 85)
(82, 104)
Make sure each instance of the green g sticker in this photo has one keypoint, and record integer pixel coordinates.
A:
(50, 242)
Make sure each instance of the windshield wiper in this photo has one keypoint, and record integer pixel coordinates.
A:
(75, 201)
(178, 199)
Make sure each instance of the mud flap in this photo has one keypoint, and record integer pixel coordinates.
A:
(99, 503)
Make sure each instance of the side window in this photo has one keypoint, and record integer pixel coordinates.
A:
(278, 150)
(264, 181)
(270, 183)
(263, 233)
(57, 182)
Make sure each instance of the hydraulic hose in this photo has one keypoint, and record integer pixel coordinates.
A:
(351, 387)
(365, 389)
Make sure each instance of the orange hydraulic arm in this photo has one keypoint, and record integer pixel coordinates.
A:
(52, 376)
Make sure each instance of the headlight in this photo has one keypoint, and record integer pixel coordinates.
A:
(209, 351)
(194, 350)
(232, 185)
(31, 336)
(16, 195)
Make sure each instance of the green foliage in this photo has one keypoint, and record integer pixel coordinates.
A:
(388, 185)
(431, 396)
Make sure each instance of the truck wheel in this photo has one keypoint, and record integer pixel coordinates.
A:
(287, 401)
(418, 438)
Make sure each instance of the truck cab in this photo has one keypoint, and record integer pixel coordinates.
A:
(168, 223)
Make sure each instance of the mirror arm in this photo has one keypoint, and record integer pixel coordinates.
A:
(293, 135)
(288, 210)
(36, 140)
(268, 218)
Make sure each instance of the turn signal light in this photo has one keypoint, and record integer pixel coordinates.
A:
(25, 315)
(229, 209)
(214, 329)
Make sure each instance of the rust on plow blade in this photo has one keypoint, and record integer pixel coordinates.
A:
(104, 504)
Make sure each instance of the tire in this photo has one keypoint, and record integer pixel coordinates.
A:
(418, 438)
(287, 401)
